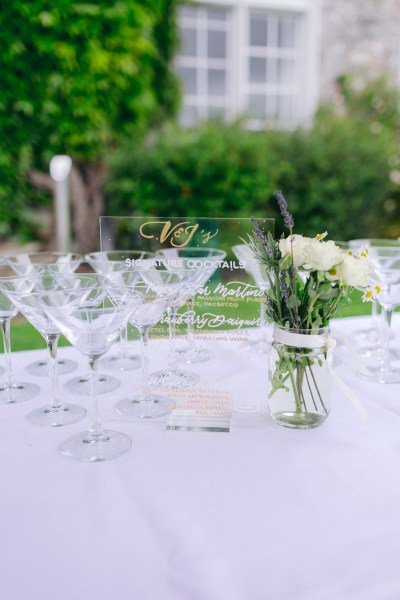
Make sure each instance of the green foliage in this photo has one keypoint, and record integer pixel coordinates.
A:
(211, 171)
(76, 78)
(335, 175)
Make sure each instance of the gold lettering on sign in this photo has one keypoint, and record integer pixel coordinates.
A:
(179, 235)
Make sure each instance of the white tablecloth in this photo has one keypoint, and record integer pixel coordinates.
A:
(260, 513)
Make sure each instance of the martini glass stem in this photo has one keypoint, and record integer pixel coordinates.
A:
(144, 338)
(190, 323)
(172, 310)
(387, 315)
(52, 343)
(262, 314)
(95, 427)
(5, 326)
(123, 342)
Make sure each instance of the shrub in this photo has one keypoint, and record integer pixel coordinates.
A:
(335, 175)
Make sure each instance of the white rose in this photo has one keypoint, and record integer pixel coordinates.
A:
(294, 244)
(322, 256)
(354, 271)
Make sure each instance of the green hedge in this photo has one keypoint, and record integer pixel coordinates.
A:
(335, 175)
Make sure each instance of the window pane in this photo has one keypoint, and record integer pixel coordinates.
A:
(216, 14)
(189, 80)
(216, 82)
(286, 33)
(258, 70)
(257, 106)
(188, 12)
(217, 112)
(272, 76)
(272, 108)
(216, 44)
(188, 115)
(258, 31)
(285, 71)
(188, 42)
(285, 107)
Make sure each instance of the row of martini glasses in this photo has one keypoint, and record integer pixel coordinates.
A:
(384, 258)
(92, 310)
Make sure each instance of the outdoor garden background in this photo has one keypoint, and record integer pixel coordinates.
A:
(96, 81)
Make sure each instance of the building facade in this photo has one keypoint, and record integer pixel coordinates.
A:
(274, 60)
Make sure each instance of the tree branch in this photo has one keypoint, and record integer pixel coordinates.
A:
(41, 180)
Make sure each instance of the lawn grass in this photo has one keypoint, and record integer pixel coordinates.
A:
(25, 337)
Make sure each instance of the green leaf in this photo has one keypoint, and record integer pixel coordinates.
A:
(293, 302)
(285, 263)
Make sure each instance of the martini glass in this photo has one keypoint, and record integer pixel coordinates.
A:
(59, 263)
(386, 264)
(258, 272)
(372, 334)
(111, 263)
(81, 384)
(12, 391)
(92, 327)
(173, 376)
(146, 404)
(27, 294)
(203, 262)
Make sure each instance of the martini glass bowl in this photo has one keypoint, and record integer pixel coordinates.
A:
(60, 263)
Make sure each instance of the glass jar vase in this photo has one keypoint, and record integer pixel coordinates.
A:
(299, 377)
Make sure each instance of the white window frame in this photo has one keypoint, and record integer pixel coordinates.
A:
(309, 11)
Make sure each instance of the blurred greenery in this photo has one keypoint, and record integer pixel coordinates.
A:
(340, 174)
(76, 78)
(94, 80)
(25, 337)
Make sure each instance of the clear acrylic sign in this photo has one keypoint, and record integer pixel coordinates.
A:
(212, 328)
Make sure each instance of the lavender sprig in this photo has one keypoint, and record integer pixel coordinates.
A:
(262, 237)
(259, 232)
(284, 286)
(283, 207)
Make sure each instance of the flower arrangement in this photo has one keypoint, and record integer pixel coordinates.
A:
(310, 279)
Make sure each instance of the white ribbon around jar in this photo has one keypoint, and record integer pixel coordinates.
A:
(313, 342)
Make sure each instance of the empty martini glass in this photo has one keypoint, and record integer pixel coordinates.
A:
(203, 262)
(371, 334)
(246, 256)
(56, 262)
(109, 263)
(27, 294)
(92, 327)
(81, 384)
(12, 391)
(146, 404)
(173, 376)
(386, 264)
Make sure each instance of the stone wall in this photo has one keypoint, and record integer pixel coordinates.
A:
(359, 36)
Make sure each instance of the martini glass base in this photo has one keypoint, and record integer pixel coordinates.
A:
(18, 392)
(192, 355)
(149, 406)
(42, 367)
(261, 346)
(90, 447)
(174, 378)
(103, 385)
(121, 363)
(380, 375)
(56, 416)
(376, 353)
